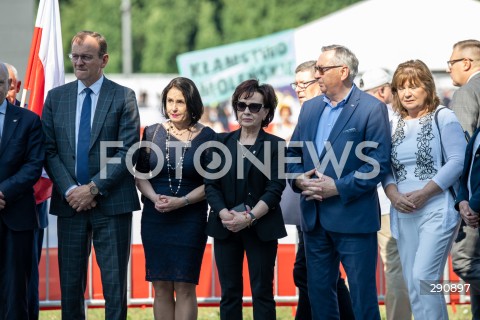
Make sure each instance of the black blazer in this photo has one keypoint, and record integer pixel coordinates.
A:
(463, 194)
(220, 192)
(21, 161)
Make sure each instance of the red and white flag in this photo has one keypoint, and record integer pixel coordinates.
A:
(45, 70)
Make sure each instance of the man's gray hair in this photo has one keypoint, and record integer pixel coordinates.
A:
(343, 56)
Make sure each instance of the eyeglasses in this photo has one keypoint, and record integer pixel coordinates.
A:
(450, 63)
(76, 57)
(253, 107)
(322, 70)
(302, 85)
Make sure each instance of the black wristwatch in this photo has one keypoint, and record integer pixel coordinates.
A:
(93, 189)
(254, 219)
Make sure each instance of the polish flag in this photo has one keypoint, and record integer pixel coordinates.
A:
(45, 71)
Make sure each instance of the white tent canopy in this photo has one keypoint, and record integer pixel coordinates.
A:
(384, 33)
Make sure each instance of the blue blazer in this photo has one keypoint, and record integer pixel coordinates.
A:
(463, 193)
(363, 119)
(21, 161)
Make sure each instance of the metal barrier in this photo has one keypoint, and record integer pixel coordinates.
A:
(140, 292)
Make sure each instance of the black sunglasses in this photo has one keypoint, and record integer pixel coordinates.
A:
(253, 107)
(322, 70)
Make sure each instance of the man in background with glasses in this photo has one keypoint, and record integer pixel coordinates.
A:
(377, 83)
(306, 87)
(339, 203)
(464, 69)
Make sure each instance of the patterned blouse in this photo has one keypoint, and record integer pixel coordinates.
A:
(417, 159)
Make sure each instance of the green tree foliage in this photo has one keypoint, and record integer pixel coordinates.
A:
(162, 29)
(101, 16)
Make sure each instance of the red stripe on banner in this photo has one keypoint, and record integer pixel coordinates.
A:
(34, 49)
(37, 80)
(35, 103)
(43, 189)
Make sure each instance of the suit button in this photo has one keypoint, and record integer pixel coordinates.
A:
(476, 156)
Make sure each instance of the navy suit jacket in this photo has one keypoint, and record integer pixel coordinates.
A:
(116, 119)
(463, 193)
(21, 161)
(363, 119)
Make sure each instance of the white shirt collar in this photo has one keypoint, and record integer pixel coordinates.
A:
(95, 87)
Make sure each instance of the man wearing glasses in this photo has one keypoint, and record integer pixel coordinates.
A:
(337, 175)
(93, 200)
(306, 87)
(464, 69)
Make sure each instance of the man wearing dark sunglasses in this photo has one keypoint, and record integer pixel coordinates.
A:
(340, 209)
(306, 87)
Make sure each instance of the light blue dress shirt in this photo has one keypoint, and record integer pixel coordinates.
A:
(327, 120)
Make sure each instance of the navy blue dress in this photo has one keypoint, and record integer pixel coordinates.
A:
(174, 242)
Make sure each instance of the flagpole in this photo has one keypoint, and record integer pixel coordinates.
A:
(24, 97)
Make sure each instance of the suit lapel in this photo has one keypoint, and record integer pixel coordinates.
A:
(103, 106)
(72, 93)
(256, 149)
(232, 146)
(12, 118)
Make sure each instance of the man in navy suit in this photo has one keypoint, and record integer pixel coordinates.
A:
(42, 210)
(90, 124)
(21, 161)
(344, 151)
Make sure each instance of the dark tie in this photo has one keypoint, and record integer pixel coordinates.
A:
(83, 175)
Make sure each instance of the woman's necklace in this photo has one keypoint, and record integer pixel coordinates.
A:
(180, 162)
(245, 149)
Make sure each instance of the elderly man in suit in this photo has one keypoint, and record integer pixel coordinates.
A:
(90, 124)
(21, 160)
(342, 153)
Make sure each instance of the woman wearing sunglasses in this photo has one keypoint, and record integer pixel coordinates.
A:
(245, 214)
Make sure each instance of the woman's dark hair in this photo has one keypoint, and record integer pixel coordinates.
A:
(191, 96)
(247, 88)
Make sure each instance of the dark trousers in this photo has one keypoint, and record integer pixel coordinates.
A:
(229, 254)
(33, 296)
(15, 271)
(111, 237)
(358, 253)
(304, 311)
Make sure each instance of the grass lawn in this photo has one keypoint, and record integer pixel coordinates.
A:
(211, 313)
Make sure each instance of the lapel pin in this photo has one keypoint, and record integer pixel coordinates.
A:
(15, 120)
